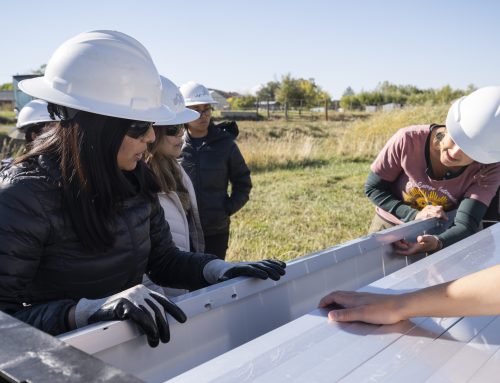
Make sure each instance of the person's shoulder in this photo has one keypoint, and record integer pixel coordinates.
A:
(226, 130)
(30, 172)
(413, 134)
(415, 130)
(230, 127)
(493, 168)
(16, 172)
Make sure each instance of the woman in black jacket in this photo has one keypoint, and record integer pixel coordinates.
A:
(212, 159)
(80, 221)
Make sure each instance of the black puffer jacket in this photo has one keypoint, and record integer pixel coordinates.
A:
(211, 167)
(43, 263)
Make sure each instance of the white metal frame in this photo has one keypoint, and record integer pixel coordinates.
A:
(224, 316)
(311, 348)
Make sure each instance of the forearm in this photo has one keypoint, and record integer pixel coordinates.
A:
(379, 192)
(467, 221)
(51, 317)
(474, 294)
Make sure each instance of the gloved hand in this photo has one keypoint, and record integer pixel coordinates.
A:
(219, 270)
(144, 307)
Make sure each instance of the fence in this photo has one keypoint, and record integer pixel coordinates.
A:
(274, 110)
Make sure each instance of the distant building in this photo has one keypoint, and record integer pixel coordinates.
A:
(318, 109)
(390, 106)
(20, 97)
(273, 105)
(370, 108)
(222, 103)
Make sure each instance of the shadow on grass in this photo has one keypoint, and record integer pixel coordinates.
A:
(288, 165)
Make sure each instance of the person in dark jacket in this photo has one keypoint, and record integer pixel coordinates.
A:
(212, 159)
(80, 220)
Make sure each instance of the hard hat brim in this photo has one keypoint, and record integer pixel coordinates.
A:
(34, 122)
(193, 103)
(39, 88)
(187, 115)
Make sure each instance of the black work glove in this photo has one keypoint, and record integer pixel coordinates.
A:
(144, 307)
(219, 270)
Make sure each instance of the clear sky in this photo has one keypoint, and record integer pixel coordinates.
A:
(235, 45)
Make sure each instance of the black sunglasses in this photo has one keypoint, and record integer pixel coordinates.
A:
(173, 130)
(138, 129)
(205, 112)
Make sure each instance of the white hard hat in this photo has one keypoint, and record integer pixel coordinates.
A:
(103, 72)
(474, 124)
(172, 97)
(34, 112)
(196, 94)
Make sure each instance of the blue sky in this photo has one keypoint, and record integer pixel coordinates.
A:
(236, 45)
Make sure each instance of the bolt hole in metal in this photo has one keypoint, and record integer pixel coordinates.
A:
(234, 296)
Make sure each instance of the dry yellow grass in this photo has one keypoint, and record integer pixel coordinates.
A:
(271, 145)
(365, 138)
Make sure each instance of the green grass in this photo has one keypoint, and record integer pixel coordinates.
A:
(293, 212)
(7, 118)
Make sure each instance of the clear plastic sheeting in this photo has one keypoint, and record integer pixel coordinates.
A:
(312, 349)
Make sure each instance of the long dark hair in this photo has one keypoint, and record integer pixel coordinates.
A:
(167, 170)
(86, 149)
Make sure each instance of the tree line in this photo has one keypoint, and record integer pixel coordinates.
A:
(294, 92)
(386, 93)
(305, 93)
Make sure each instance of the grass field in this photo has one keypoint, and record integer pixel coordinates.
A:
(7, 120)
(296, 211)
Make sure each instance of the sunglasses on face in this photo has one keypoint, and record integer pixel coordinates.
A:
(138, 129)
(204, 112)
(173, 130)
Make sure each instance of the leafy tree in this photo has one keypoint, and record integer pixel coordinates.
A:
(268, 91)
(242, 102)
(7, 86)
(386, 92)
(348, 92)
(290, 92)
(40, 70)
(350, 102)
(300, 92)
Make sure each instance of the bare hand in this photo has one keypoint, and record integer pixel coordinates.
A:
(364, 307)
(425, 244)
(431, 211)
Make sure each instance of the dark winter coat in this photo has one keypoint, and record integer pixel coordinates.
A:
(44, 269)
(211, 167)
